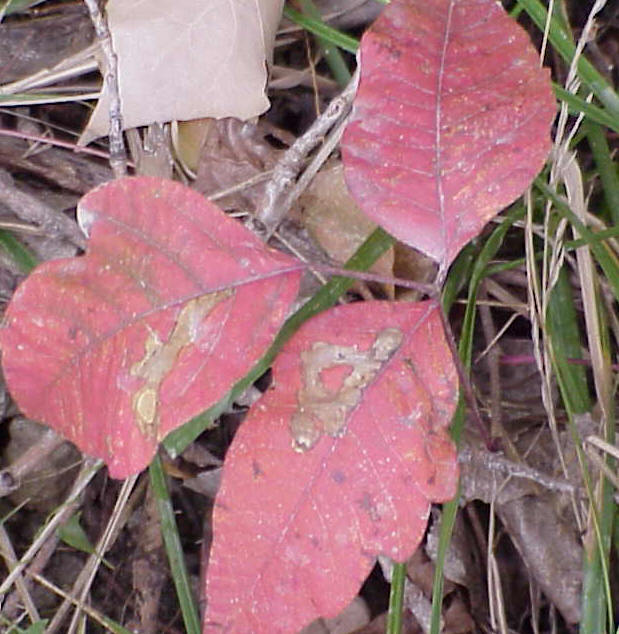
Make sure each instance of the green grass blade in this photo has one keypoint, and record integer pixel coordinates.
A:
(563, 329)
(465, 350)
(448, 520)
(564, 45)
(320, 29)
(396, 599)
(598, 236)
(597, 600)
(603, 255)
(459, 273)
(331, 53)
(15, 6)
(375, 245)
(35, 628)
(597, 603)
(173, 547)
(19, 253)
(114, 627)
(607, 169)
(577, 105)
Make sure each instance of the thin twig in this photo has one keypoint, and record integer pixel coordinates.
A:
(499, 464)
(91, 612)
(465, 380)
(118, 154)
(8, 554)
(68, 145)
(312, 169)
(89, 469)
(426, 289)
(33, 210)
(105, 542)
(239, 187)
(272, 210)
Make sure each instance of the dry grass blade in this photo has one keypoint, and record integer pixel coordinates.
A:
(85, 578)
(8, 554)
(87, 472)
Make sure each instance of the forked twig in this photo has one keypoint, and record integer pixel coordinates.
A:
(276, 200)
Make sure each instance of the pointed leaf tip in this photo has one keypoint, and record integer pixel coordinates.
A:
(451, 121)
(171, 305)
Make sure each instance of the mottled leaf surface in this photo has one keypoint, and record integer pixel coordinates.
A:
(172, 304)
(451, 121)
(337, 463)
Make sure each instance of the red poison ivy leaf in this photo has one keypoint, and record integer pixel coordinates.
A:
(171, 305)
(451, 121)
(336, 464)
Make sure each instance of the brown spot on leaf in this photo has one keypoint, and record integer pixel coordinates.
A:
(367, 504)
(322, 410)
(256, 469)
(160, 357)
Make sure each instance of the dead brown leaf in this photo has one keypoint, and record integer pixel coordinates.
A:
(331, 217)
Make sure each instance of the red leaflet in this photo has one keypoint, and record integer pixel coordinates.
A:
(173, 303)
(365, 393)
(450, 124)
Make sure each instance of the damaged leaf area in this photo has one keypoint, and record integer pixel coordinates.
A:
(325, 410)
(367, 391)
(160, 358)
(171, 305)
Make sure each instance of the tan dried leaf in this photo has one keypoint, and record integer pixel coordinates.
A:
(334, 221)
(187, 60)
